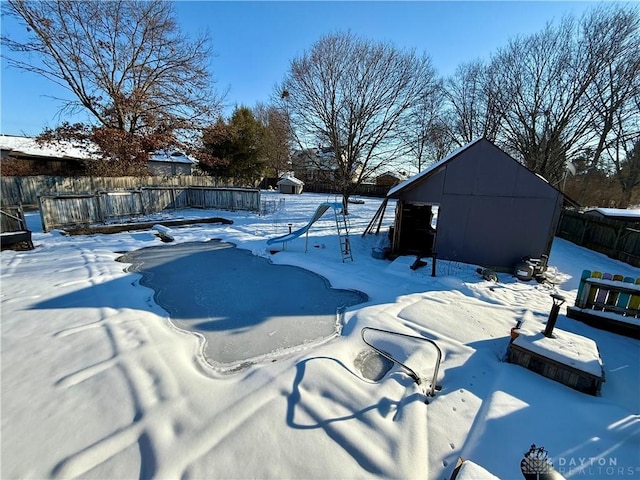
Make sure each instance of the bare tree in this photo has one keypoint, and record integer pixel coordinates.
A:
(542, 80)
(425, 135)
(125, 62)
(611, 34)
(277, 139)
(623, 152)
(473, 110)
(356, 96)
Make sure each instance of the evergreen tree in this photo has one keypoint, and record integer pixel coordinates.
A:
(234, 149)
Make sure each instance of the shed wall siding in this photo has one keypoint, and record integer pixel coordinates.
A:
(493, 231)
(429, 191)
(169, 168)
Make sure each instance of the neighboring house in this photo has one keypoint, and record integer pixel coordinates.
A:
(318, 165)
(24, 156)
(390, 179)
(491, 210)
(171, 163)
(311, 165)
(290, 185)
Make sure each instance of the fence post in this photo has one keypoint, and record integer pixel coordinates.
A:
(585, 225)
(42, 215)
(139, 192)
(97, 199)
(617, 241)
(142, 200)
(20, 190)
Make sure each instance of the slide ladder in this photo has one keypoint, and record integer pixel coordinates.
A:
(343, 226)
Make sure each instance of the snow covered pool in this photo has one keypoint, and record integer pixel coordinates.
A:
(246, 308)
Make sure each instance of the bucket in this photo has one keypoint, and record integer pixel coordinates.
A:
(524, 272)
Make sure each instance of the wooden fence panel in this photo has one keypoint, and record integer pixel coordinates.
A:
(630, 247)
(120, 204)
(225, 198)
(157, 199)
(615, 238)
(70, 210)
(82, 210)
(181, 197)
(25, 190)
(10, 192)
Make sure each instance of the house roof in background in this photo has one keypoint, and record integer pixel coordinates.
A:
(27, 146)
(390, 173)
(632, 215)
(172, 156)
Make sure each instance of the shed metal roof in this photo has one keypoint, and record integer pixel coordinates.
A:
(290, 180)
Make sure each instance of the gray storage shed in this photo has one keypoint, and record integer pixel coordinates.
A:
(171, 163)
(290, 185)
(491, 210)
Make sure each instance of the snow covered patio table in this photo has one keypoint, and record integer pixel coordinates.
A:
(566, 358)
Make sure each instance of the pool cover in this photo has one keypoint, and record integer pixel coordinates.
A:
(246, 308)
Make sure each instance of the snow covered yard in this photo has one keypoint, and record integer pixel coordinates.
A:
(98, 383)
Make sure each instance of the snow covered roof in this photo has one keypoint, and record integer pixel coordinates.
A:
(616, 213)
(432, 168)
(290, 181)
(174, 156)
(29, 147)
(392, 174)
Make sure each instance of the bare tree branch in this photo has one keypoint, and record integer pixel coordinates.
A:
(357, 97)
(124, 61)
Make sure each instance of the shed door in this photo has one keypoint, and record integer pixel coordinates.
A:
(416, 233)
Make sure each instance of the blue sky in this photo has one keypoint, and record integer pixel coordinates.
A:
(255, 42)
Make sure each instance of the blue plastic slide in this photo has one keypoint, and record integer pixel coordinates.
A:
(323, 207)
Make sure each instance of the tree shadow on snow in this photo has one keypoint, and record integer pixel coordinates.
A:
(312, 406)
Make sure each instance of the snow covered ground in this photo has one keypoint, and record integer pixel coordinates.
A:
(98, 383)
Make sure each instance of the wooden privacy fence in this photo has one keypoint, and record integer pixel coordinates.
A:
(64, 211)
(364, 189)
(615, 238)
(25, 190)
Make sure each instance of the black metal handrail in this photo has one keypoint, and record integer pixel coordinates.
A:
(409, 371)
